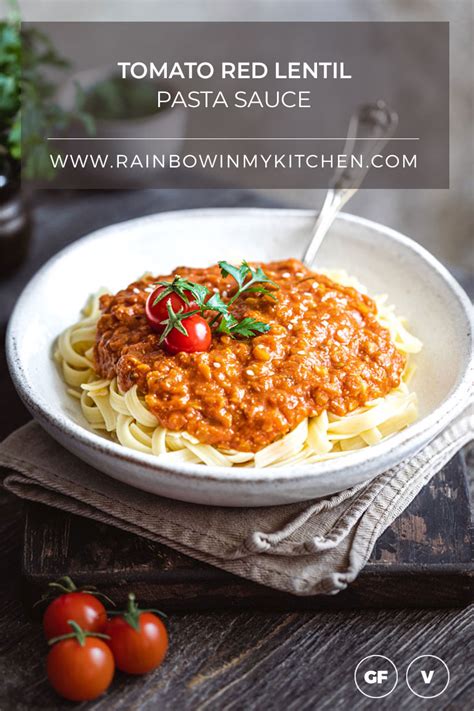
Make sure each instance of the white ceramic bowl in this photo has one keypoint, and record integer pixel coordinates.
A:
(387, 262)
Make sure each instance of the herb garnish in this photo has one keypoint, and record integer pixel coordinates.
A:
(240, 274)
(249, 281)
(180, 286)
(246, 328)
(174, 321)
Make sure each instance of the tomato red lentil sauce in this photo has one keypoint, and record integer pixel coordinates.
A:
(325, 350)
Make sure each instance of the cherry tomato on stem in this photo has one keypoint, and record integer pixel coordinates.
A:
(156, 308)
(138, 639)
(80, 665)
(81, 606)
(193, 335)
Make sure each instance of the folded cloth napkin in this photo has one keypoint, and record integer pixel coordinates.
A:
(305, 548)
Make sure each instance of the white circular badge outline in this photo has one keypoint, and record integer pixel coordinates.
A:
(433, 656)
(381, 656)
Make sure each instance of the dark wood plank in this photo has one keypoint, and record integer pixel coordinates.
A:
(246, 660)
(257, 660)
(422, 559)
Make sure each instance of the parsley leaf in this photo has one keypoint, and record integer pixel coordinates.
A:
(258, 275)
(249, 327)
(237, 273)
(200, 293)
(261, 290)
(240, 274)
(215, 303)
(246, 328)
(227, 323)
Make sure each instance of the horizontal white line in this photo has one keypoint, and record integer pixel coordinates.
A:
(207, 138)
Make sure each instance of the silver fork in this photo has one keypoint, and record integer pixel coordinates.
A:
(371, 127)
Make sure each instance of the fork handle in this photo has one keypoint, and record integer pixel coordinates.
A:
(371, 127)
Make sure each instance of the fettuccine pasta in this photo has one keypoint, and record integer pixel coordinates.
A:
(125, 418)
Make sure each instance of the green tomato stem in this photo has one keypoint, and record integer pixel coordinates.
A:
(78, 634)
(66, 586)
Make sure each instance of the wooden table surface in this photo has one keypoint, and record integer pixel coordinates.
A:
(223, 660)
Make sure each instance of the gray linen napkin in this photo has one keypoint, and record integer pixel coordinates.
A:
(305, 548)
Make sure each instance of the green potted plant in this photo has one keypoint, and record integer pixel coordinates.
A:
(28, 112)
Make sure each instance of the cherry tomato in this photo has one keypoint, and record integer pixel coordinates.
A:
(81, 607)
(80, 671)
(138, 640)
(156, 313)
(197, 339)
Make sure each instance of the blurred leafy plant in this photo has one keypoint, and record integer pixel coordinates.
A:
(27, 98)
(115, 98)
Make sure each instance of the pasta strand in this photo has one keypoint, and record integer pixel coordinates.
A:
(126, 418)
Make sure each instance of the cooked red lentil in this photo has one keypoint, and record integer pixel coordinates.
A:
(325, 351)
